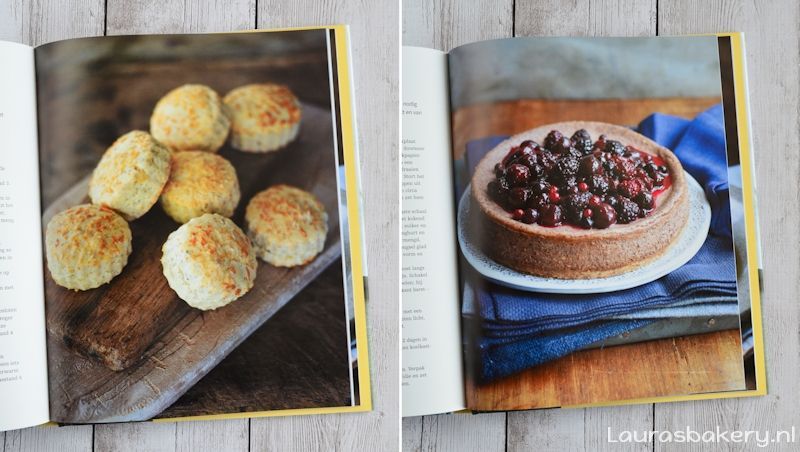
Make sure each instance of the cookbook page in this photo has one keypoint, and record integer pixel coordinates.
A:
(23, 355)
(603, 221)
(431, 351)
(200, 262)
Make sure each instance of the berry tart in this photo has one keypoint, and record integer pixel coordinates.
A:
(579, 200)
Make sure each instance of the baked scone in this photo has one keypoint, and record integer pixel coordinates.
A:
(265, 117)
(578, 208)
(86, 246)
(209, 262)
(131, 175)
(287, 226)
(191, 117)
(199, 183)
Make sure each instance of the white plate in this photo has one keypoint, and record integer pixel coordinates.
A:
(687, 245)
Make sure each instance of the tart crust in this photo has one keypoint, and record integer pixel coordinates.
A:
(568, 252)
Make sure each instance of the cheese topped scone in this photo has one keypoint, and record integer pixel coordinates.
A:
(191, 117)
(287, 225)
(131, 175)
(200, 183)
(86, 246)
(265, 117)
(209, 262)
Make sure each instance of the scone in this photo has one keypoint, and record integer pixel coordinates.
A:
(287, 225)
(131, 175)
(86, 246)
(265, 117)
(200, 183)
(209, 262)
(191, 117)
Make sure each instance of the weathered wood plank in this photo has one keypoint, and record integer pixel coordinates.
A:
(444, 25)
(464, 432)
(585, 18)
(73, 438)
(231, 435)
(773, 59)
(412, 434)
(373, 30)
(136, 436)
(175, 16)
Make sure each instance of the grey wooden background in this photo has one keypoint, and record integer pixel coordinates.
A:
(773, 57)
(374, 32)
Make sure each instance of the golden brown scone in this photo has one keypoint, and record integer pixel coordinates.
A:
(287, 225)
(200, 183)
(86, 246)
(209, 262)
(265, 117)
(131, 175)
(191, 117)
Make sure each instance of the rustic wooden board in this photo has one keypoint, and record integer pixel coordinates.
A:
(146, 346)
(677, 366)
(293, 361)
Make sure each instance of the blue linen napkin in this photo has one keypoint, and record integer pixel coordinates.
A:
(522, 329)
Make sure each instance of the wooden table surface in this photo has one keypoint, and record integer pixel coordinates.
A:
(375, 55)
(774, 83)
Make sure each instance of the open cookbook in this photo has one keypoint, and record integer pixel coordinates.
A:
(180, 229)
(579, 224)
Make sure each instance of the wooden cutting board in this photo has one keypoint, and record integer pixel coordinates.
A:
(125, 351)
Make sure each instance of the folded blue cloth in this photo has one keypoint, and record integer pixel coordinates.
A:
(503, 360)
(700, 146)
(523, 329)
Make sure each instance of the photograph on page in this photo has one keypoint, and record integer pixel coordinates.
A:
(601, 227)
(196, 226)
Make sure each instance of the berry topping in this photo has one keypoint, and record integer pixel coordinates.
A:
(551, 139)
(518, 174)
(578, 182)
(582, 141)
(518, 196)
(550, 216)
(604, 216)
(627, 210)
(530, 216)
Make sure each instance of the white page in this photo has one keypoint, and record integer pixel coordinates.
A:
(432, 379)
(23, 353)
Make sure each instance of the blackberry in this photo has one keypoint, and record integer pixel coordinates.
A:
(539, 201)
(518, 174)
(614, 147)
(582, 141)
(574, 204)
(518, 196)
(589, 165)
(550, 216)
(627, 211)
(530, 216)
(540, 187)
(566, 167)
(598, 184)
(552, 138)
(645, 200)
(562, 146)
(629, 188)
